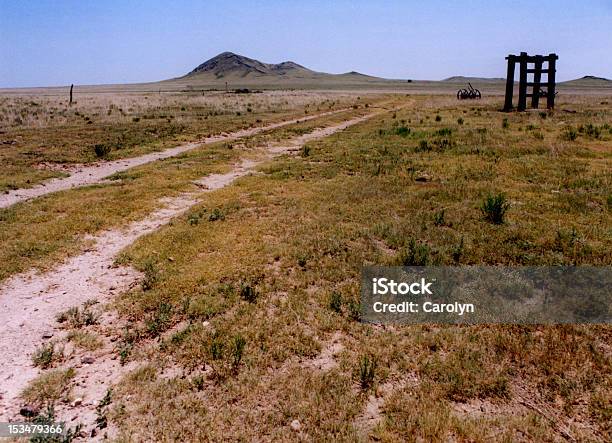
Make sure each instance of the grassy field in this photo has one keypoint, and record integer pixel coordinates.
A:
(297, 235)
(44, 230)
(246, 325)
(40, 136)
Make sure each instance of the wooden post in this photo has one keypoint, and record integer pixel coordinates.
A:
(537, 79)
(522, 101)
(509, 83)
(552, 62)
(71, 86)
(226, 90)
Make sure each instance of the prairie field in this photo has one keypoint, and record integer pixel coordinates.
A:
(42, 135)
(243, 323)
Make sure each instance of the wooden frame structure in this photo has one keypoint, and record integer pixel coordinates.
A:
(537, 61)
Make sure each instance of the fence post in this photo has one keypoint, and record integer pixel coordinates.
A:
(552, 62)
(522, 101)
(509, 83)
(537, 79)
(71, 86)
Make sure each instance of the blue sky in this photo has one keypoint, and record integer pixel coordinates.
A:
(44, 43)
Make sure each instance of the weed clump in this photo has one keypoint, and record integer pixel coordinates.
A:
(248, 292)
(126, 346)
(101, 150)
(458, 251)
(414, 254)
(367, 372)
(227, 355)
(77, 318)
(151, 275)
(335, 302)
(354, 310)
(215, 215)
(423, 146)
(439, 218)
(590, 130)
(494, 208)
(238, 345)
(48, 419)
(160, 319)
(46, 355)
(49, 387)
(102, 409)
(403, 131)
(570, 134)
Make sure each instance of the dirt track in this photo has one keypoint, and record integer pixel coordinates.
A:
(30, 302)
(95, 173)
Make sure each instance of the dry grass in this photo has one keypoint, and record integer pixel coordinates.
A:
(40, 135)
(42, 231)
(301, 231)
(49, 387)
(85, 340)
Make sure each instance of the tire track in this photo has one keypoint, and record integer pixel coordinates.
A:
(97, 172)
(29, 302)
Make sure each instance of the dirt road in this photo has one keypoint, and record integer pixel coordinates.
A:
(30, 302)
(97, 172)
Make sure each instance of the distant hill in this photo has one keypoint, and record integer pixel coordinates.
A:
(462, 79)
(589, 81)
(236, 71)
(240, 71)
(228, 64)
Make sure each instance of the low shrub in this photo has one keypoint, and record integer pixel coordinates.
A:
(101, 150)
(494, 208)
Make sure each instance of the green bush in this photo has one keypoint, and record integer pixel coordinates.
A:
(403, 131)
(101, 150)
(335, 302)
(494, 208)
(159, 320)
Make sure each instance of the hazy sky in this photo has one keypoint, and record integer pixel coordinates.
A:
(45, 42)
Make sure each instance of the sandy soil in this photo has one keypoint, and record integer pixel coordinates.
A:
(30, 302)
(86, 175)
